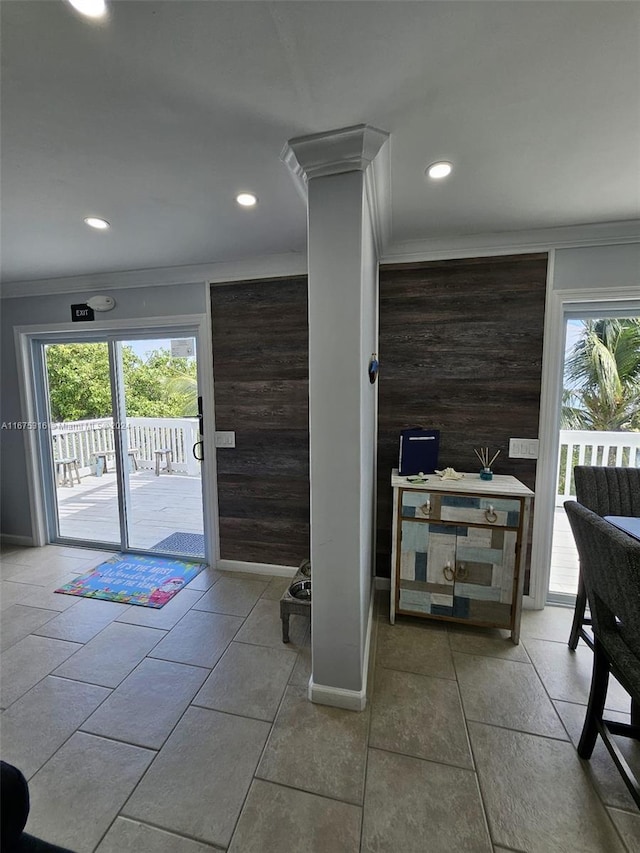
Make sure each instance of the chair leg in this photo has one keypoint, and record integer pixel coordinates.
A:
(597, 697)
(635, 712)
(578, 614)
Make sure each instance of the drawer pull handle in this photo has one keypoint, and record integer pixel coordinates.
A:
(462, 572)
(448, 572)
(425, 509)
(491, 515)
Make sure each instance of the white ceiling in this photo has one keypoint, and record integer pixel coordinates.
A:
(157, 117)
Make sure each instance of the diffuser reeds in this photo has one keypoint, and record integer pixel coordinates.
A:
(483, 456)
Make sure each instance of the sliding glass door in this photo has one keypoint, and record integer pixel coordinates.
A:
(123, 447)
(82, 437)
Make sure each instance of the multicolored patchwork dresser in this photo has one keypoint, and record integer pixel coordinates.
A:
(459, 549)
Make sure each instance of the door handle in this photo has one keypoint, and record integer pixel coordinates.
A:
(462, 572)
(200, 419)
(491, 515)
(199, 455)
(425, 509)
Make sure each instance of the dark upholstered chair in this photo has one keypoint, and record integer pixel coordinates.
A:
(605, 491)
(610, 566)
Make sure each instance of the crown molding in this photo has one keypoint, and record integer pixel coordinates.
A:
(378, 194)
(349, 149)
(513, 242)
(266, 266)
(295, 263)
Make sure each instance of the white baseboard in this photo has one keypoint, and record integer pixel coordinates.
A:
(339, 697)
(256, 568)
(23, 541)
(383, 583)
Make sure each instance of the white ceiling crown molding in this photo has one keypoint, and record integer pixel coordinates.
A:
(513, 242)
(266, 266)
(348, 149)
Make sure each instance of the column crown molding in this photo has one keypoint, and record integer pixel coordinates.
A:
(348, 149)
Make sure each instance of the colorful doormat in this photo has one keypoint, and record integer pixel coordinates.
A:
(133, 579)
(190, 544)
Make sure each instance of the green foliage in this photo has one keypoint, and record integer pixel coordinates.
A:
(603, 375)
(156, 387)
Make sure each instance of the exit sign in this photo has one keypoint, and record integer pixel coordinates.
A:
(81, 314)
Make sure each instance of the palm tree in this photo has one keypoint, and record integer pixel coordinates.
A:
(602, 377)
(185, 388)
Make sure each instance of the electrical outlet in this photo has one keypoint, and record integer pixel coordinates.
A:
(523, 448)
(225, 438)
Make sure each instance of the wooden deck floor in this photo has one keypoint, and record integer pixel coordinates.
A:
(160, 506)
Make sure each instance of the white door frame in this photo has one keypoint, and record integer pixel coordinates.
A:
(559, 304)
(200, 326)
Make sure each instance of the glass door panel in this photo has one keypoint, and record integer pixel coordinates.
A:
(83, 452)
(600, 424)
(162, 475)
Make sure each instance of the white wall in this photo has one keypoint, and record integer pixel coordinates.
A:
(597, 268)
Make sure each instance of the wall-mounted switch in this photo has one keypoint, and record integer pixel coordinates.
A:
(225, 438)
(523, 448)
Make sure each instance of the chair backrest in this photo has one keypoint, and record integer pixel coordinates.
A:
(610, 566)
(608, 491)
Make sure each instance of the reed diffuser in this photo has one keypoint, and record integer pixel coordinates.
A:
(483, 455)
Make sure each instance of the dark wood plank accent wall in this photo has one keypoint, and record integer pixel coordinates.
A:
(460, 351)
(261, 379)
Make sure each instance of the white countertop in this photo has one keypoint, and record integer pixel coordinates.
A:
(502, 484)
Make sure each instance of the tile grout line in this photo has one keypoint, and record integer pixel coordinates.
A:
(483, 803)
(254, 777)
(213, 847)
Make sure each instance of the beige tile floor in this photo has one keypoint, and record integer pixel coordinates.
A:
(187, 729)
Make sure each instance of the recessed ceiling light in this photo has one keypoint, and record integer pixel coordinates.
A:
(441, 169)
(95, 222)
(90, 8)
(247, 199)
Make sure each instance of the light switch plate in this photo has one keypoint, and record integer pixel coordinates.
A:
(225, 438)
(523, 448)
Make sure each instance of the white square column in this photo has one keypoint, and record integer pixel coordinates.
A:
(343, 335)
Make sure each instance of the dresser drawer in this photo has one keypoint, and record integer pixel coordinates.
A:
(499, 512)
(465, 509)
(416, 504)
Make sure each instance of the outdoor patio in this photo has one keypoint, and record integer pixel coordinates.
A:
(160, 506)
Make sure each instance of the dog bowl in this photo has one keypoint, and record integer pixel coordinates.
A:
(301, 590)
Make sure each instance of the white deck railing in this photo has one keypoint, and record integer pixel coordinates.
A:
(581, 447)
(83, 439)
